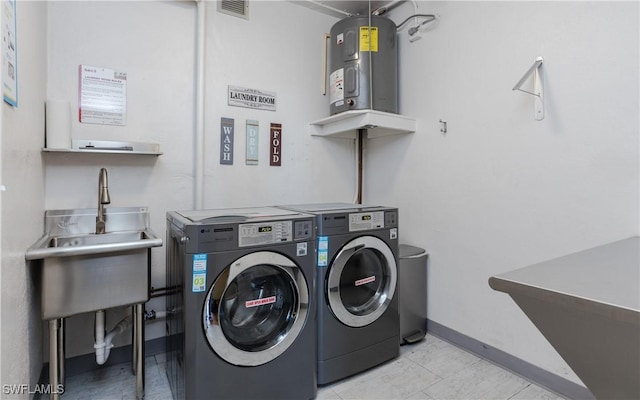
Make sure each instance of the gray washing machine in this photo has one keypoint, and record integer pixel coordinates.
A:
(357, 267)
(241, 320)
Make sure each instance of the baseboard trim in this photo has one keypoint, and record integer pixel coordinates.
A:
(530, 372)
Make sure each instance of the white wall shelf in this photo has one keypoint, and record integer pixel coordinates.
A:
(108, 147)
(45, 150)
(377, 123)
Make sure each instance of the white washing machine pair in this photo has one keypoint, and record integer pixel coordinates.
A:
(241, 324)
(357, 276)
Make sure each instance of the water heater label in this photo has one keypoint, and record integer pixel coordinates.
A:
(336, 86)
(369, 38)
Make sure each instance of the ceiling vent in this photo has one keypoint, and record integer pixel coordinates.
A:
(237, 8)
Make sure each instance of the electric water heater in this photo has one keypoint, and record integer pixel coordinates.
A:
(363, 62)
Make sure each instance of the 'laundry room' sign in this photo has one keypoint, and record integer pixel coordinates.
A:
(251, 98)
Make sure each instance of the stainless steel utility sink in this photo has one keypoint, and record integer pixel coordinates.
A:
(95, 240)
(91, 243)
(83, 271)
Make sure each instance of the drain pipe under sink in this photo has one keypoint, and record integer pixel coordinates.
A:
(104, 343)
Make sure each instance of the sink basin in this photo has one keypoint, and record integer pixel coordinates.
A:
(65, 246)
(94, 240)
(83, 271)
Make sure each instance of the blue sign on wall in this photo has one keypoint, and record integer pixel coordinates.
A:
(252, 142)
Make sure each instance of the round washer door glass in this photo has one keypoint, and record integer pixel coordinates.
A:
(362, 281)
(256, 308)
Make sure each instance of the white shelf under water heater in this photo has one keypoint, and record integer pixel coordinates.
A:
(377, 124)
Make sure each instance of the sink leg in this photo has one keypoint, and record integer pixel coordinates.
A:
(134, 339)
(56, 357)
(138, 349)
(61, 352)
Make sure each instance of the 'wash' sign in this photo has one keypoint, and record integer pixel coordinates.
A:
(226, 141)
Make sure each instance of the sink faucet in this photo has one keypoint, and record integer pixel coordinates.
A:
(103, 198)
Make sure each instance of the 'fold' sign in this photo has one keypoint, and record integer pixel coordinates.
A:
(276, 145)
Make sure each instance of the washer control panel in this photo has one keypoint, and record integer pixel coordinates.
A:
(265, 233)
(366, 221)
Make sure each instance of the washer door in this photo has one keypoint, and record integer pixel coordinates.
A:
(362, 281)
(256, 308)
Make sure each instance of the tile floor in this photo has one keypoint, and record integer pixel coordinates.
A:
(430, 369)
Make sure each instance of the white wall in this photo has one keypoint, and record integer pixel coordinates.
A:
(279, 49)
(154, 42)
(500, 190)
(23, 201)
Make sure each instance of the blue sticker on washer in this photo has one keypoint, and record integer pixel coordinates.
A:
(199, 280)
(323, 251)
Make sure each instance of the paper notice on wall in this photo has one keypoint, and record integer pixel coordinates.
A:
(103, 96)
(9, 54)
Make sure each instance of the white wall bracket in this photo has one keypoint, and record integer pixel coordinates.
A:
(537, 88)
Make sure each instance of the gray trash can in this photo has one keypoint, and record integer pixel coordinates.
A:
(412, 290)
